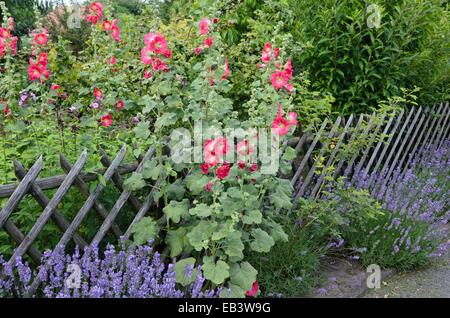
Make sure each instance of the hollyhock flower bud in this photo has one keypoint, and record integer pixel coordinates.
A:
(215, 20)
(241, 165)
(208, 186)
(226, 70)
(54, 87)
(205, 168)
(112, 60)
(120, 105)
(253, 167)
(98, 93)
(147, 74)
(254, 290)
(198, 50)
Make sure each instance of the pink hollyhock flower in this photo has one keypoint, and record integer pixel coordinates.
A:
(13, 45)
(43, 59)
(279, 79)
(41, 38)
(106, 120)
(120, 105)
(205, 168)
(219, 145)
(159, 65)
(115, 31)
(146, 56)
(254, 290)
(46, 73)
(204, 26)
(208, 42)
(148, 38)
(212, 159)
(253, 167)
(243, 148)
(280, 126)
(112, 60)
(276, 52)
(292, 117)
(226, 70)
(288, 69)
(158, 44)
(4, 33)
(96, 9)
(289, 88)
(241, 165)
(11, 23)
(167, 54)
(54, 87)
(34, 72)
(147, 74)
(93, 19)
(198, 50)
(98, 93)
(208, 186)
(223, 171)
(106, 25)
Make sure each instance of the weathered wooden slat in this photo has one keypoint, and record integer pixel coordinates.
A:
(369, 146)
(118, 181)
(18, 237)
(90, 201)
(352, 138)
(308, 153)
(57, 216)
(120, 202)
(437, 141)
(438, 125)
(393, 150)
(55, 181)
(20, 191)
(379, 144)
(404, 154)
(310, 174)
(419, 140)
(51, 206)
(445, 134)
(332, 156)
(366, 131)
(435, 116)
(84, 189)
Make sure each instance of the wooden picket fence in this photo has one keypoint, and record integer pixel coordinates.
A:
(402, 137)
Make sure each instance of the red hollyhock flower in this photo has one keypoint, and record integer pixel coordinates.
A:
(279, 79)
(146, 56)
(115, 31)
(106, 25)
(167, 54)
(223, 171)
(93, 19)
(34, 72)
(215, 20)
(292, 118)
(288, 69)
(106, 120)
(4, 33)
(43, 59)
(208, 42)
(205, 168)
(254, 290)
(241, 165)
(96, 9)
(157, 43)
(280, 125)
(13, 45)
(112, 60)
(120, 105)
(147, 74)
(41, 38)
(159, 65)
(98, 93)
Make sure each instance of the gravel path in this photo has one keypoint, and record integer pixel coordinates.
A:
(432, 282)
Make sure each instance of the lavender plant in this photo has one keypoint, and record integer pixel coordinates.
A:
(413, 228)
(134, 272)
